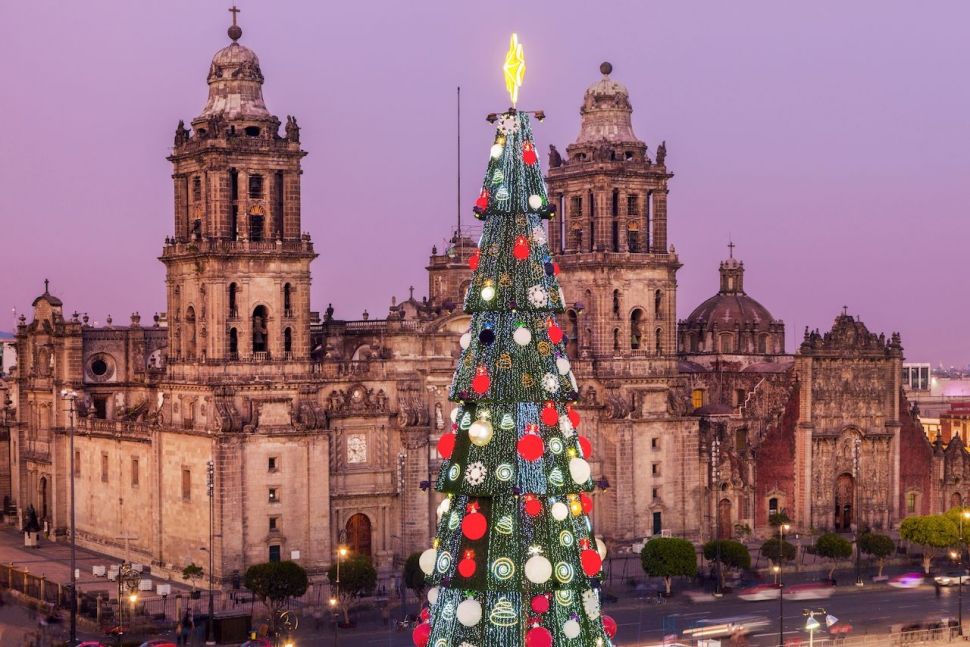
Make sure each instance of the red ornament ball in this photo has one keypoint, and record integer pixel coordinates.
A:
(609, 626)
(521, 249)
(530, 447)
(555, 333)
(586, 502)
(473, 261)
(446, 445)
(421, 634)
(482, 201)
(466, 567)
(481, 382)
(591, 561)
(540, 604)
(533, 506)
(586, 446)
(474, 525)
(425, 614)
(555, 268)
(538, 637)
(529, 153)
(549, 415)
(573, 416)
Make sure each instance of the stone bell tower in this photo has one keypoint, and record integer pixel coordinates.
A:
(610, 233)
(238, 266)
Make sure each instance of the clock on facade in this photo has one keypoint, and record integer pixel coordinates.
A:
(356, 448)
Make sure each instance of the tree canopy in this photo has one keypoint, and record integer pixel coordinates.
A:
(772, 550)
(833, 547)
(412, 575)
(669, 557)
(932, 532)
(878, 546)
(275, 582)
(734, 554)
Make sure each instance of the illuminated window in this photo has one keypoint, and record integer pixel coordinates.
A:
(697, 398)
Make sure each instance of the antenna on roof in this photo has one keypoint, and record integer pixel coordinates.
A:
(458, 127)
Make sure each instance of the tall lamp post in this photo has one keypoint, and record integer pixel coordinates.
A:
(715, 481)
(210, 483)
(964, 514)
(782, 529)
(71, 396)
(342, 552)
(855, 505)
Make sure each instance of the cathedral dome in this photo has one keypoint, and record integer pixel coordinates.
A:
(606, 112)
(235, 85)
(731, 321)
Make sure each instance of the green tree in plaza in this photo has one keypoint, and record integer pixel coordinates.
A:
(274, 583)
(834, 548)
(669, 557)
(880, 547)
(412, 577)
(514, 560)
(193, 573)
(778, 551)
(734, 554)
(933, 532)
(358, 577)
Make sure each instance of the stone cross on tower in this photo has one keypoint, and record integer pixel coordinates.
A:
(234, 11)
(731, 248)
(235, 31)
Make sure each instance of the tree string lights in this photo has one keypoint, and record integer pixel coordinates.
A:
(514, 560)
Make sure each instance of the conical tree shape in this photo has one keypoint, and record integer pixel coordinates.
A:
(514, 560)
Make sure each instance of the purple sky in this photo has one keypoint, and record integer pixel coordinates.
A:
(831, 141)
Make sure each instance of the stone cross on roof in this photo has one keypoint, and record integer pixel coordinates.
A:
(731, 248)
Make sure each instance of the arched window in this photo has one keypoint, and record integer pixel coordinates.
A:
(233, 308)
(287, 341)
(260, 329)
(257, 216)
(572, 341)
(658, 338)
(616, 340)
(727, 342)
(772, 506)
(956, 500)
(658, 297)
(763, 344)
(287, 291)
(616, 304)
(636, 328)
(190, 333)
(912, 500)
(233, 343)
(633, 237)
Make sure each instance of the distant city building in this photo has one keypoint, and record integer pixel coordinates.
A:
(8, 354)
(323, 429)
(916, 377)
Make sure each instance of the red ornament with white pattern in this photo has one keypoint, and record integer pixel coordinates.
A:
(521, 249)
(481, 381)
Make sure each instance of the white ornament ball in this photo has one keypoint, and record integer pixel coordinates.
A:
(538, 569)
(433, 594)
(480, 433)
(454, 414)
(560, 511)
(427, 561)
(565, 426)
(470, 612)
(539, 235)
(579, 470)
(522, 336)
(601, 548)
(570, 629)
(488, 293)
(535, 201)
(496, 151)
(465, 341)
(443, 508)
(562, 365)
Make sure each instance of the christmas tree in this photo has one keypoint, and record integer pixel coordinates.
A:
(514, 560)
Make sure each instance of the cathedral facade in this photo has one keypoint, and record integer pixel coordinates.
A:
(320, 430)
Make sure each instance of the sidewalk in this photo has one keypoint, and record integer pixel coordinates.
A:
(53, 561)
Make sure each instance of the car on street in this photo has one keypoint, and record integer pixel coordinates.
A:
(158, 643)
(760, 592)
(906, 581)
(258, 642)
(952, 578)
(725, 627)
(809, 591)
(92, 643)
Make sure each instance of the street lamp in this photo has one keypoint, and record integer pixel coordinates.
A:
(71, 396)
(342, 552)
(964, 514)
(333, 615)
(855, 505)
(210, 483)
(782, 529)
(715, 480)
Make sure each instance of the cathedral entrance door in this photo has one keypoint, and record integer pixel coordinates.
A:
(359, 535)
(844, 500)
(724, 524)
